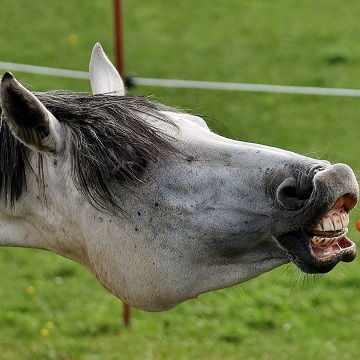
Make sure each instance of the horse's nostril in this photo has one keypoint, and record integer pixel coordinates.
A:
(288, 192)
(291, 195)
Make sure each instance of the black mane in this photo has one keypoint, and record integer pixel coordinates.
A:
(109, 144)
(13, 161)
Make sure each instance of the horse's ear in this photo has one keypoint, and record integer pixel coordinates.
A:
(104, 78)
(26, 116)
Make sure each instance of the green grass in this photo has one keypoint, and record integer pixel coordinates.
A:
(52, 308)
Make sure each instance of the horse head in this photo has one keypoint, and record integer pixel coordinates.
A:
(159, 208)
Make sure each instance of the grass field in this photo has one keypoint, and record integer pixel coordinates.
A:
(52, 308)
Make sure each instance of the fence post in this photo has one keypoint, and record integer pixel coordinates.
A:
(119, 62)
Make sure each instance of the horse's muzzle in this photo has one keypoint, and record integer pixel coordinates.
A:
(320, 242)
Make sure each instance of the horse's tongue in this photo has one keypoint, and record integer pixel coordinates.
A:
(322, 253)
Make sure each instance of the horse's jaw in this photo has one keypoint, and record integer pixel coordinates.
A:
(158, 274)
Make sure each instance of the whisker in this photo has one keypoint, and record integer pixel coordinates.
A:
(241, 292)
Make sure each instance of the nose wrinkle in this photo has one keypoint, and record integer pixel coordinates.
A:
(303, 183)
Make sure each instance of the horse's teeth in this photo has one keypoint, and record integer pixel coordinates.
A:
(337, 222)
(325, 242)
(318, 227)
(333, 221)
(344, 219)
(316, 240)
(327, 224)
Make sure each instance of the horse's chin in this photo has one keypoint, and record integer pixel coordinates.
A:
(321, 248)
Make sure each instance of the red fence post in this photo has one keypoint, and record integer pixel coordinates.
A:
(126, 314)
(119, 53)
(119, 62)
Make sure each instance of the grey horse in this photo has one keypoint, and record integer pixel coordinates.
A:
(159, 208)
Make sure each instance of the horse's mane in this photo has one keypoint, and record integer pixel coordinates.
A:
(109, 143)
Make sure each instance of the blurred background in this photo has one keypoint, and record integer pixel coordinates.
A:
(52, 308)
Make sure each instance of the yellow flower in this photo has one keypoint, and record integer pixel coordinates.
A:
(44, 332)
(30, 290)
(73, 39)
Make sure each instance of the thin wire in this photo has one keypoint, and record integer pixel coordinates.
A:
(191, 84)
